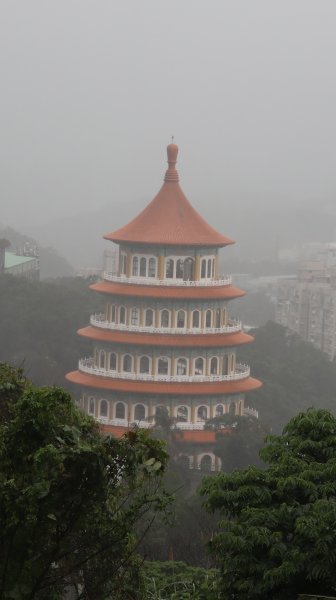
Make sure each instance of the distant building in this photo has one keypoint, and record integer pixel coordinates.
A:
(22, 266)
(166, 338)
(307, 304)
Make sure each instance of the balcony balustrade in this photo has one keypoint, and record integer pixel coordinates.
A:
(167, 282)
(99, 320)
(250, 412)
(183, 425)
(86, 365)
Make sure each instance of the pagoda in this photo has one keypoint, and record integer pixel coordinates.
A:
(166, 338)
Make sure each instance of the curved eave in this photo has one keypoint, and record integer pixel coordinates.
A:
(201, 436)
(148, 291)
(156, 339)
(162, 242)
(164, 388)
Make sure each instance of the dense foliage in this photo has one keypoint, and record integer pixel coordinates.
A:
(173, 580)
(71, 501)
(278, 537)
(238, 440)
(39, 325)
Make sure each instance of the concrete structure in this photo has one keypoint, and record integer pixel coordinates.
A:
(21, 266)
(307, 305)
(166, 338)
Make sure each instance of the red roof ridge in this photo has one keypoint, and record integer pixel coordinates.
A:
(169, 218)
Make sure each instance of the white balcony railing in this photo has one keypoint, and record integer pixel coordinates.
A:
(250, 412)
(124, 422)
(99, 320)
(167, 282)
(86, 365)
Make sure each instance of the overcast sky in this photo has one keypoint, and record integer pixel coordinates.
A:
(92, 90)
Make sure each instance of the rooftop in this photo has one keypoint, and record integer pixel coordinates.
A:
(169, 218)
(13, 260)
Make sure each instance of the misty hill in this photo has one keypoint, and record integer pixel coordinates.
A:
(51, 263)
(39, 324)
(295, 375)
(259, 231)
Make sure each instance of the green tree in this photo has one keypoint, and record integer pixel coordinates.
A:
(70, 500)
(278, 535)
(175, 580)
(238, 440)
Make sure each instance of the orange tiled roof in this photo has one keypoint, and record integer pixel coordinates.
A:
(201, 436)
(169, 218)
(156, 291)
(168, 340)
(164, 388)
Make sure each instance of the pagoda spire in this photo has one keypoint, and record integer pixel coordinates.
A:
(171, 173)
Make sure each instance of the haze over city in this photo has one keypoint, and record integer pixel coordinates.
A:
(92, 92)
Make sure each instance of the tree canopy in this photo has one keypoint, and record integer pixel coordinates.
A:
(39, 323)
(278, 535)
(70, 500)
(295, 375)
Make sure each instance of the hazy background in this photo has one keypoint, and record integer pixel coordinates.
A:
(91, 92)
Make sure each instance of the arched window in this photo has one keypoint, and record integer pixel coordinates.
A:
(205, 464)
(122, 315)
(123, 264)
(91, 405)
(120, 410)
(144, 364)
(202, 413)
(209, 268)
(219, 410)
(113, 313)
(169, 268)
(214, 366)
(163, 364)
(149, 317)
(203, 267)
(213, 268)
(139, 412)
(127, 363)
(196, 318)
(208, 318)
(180, 320)
(182, 413)
(135, 316)
(218, 318)
(179, 268)
(199, 366)
(225, 369)
(96, 357)
(181, 366)
(232, 409)
(188, 269)
(102, 358)
(103, 408)
(165, 318)
(152, 267)
(135, 266)
(143, 267)
(113, 361)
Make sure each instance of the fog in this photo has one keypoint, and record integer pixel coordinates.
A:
(91, 93)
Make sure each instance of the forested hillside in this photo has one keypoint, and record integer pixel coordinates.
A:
(38, 325)
(295, 375)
